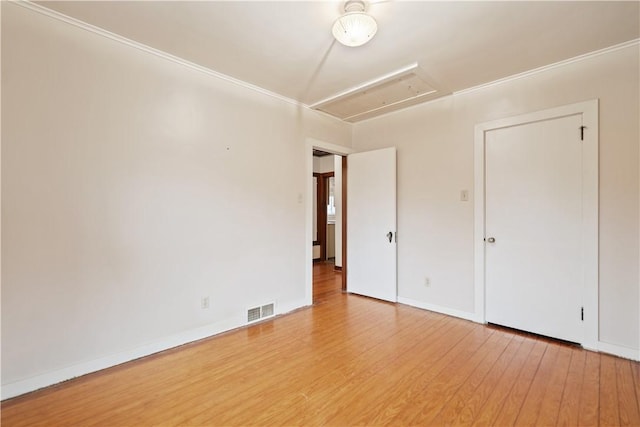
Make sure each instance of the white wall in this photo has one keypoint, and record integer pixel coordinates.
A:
(323, 164)
(435, 162)
(132, 186)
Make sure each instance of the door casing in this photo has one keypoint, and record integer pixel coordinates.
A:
(310, 144)
(589, 112)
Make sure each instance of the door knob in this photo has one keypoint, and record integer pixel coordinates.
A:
(491, 240)
(390, 236)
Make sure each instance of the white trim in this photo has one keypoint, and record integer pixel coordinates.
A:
(366, 85)
(1, 210)
(619, 350)
(589, 112)
(440, 309)
(308, 223)
(280, 309)
(328, 147)
(544, 68)
(508, 79)
(148, 49)
(310, 144)
(54, 377)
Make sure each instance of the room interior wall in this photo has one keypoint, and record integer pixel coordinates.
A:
(323, 164)
(133, 187)
(435, 162)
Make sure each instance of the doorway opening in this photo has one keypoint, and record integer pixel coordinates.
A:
(328, 225)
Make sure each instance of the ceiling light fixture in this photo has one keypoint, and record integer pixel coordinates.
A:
(355, 27)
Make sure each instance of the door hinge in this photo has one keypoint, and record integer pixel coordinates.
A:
(582, 313)
(582, 128)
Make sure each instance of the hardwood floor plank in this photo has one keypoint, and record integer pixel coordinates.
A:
(221, 353)
(488, 372)
(360, 344)
(530, 410)
(372, 390)
(628, 401)
(373, 364)
(609, 413)
(570, 405)
(244, 364)
(443, 386)
(550, 405)
(297, 358)
(498, 391)
(471, 403)
(635, 368)
(518, 395)
(589, 414)
(428, 371)
(434, 349)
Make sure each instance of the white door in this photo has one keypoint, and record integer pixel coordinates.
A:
(533, 191)
(371, 224)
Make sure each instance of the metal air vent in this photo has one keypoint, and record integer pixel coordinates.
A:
(253, 314)
(399, 89)
(258, 313)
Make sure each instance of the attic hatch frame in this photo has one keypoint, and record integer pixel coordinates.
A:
(380, 85)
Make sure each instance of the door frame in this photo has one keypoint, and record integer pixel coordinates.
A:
(589, 111)
(310, 144)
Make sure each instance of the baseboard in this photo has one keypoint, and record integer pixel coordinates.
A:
(618, 350)
(50, 378)
(289, 307)
(603, 347)
(440, 309)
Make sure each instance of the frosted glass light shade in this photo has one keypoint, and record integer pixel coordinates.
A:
(354, 28)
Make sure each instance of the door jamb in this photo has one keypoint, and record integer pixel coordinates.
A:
(589, 111)
(344, 224)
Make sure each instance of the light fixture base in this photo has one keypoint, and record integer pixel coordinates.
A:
(354, 6)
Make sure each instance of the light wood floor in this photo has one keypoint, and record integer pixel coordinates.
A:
(350, 360)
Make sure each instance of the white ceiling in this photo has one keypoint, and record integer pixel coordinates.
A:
(286, 46)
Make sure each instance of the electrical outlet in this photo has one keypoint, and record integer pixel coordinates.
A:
(204, 302)
(427, 282)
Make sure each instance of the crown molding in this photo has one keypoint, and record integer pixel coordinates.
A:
(175, 59)
(148, 49)
(610, 49)
(544, 68)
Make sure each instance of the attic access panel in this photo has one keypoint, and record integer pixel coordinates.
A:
(400, 89)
